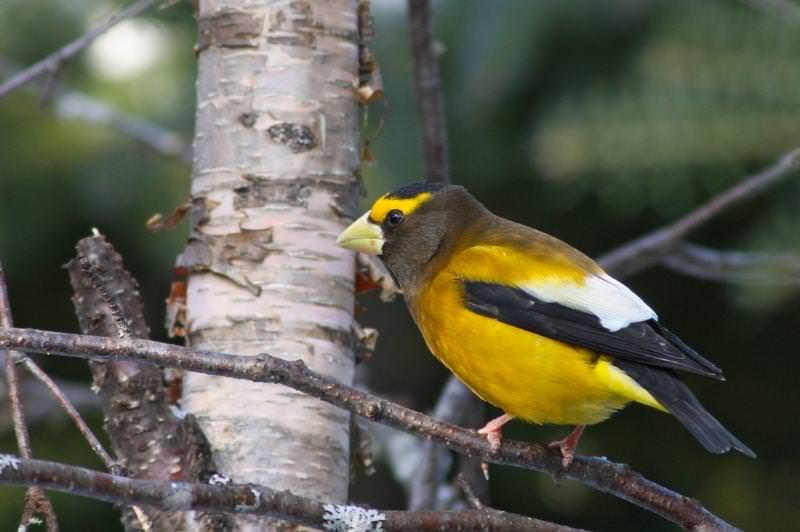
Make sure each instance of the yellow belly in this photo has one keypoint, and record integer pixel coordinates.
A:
(526, 375)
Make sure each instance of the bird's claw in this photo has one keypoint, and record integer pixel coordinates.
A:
(485, 469)
(567, 454)
(494, 437)
(493, 431)
(567, 446)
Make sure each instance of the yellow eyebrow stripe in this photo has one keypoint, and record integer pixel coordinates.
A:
(386, 203)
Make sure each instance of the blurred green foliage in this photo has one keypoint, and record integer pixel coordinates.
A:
(595, 121)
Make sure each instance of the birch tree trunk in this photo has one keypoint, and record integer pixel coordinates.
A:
(274, 180)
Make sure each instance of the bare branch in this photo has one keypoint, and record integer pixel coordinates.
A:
(653, 247)
(18, 415)
(53, 62)
(597, 473)
(74, 105)
(71, 411)
(41, 407)
(36, 502)
(69, 104)
(430, 106)
(735, 266)
(247, 499)
(473, 500)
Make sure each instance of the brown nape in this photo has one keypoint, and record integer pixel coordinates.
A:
(417, 249)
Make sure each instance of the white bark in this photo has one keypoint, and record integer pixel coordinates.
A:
(275, 169)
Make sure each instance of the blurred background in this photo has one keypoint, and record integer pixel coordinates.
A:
(594, 121)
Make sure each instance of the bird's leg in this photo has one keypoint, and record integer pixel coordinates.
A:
(493, 431)
(567, 445)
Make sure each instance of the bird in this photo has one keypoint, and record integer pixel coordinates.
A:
(527, 322)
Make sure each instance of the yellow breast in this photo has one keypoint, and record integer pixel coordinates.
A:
(528, 376)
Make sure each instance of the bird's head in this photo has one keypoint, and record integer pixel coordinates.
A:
(410, 227)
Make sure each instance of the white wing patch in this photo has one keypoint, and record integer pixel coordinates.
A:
(614, 304)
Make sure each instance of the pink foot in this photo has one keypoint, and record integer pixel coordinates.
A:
(568, 445)
(493, 431)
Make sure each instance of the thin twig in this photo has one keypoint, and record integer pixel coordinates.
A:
(71, 411)
(654, 246)
(249, 499)
(768, 269)
(53, 62)
(74, 105)
(472, 499)
(15, 401)
(36, 502)
(430, 106)
(69, 104)
(40, 406)
(595, 472)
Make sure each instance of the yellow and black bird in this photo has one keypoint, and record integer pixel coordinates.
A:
(528, 323)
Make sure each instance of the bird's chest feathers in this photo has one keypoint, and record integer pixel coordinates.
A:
(527, 375)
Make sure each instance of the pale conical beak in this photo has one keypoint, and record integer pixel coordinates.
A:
(363, 236)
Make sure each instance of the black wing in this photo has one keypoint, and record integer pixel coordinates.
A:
(645, 342)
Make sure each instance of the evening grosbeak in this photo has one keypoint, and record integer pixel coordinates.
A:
(528, 323)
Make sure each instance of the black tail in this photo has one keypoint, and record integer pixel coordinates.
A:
(667, 388)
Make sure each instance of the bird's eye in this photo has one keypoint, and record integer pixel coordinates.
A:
(394, 218)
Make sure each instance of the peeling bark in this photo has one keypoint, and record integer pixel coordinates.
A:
(274, 180)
